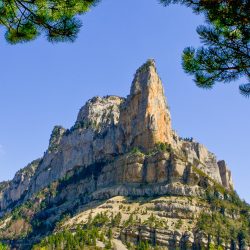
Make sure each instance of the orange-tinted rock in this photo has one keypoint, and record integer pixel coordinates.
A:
(145, 118)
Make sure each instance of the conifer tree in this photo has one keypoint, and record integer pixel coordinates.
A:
(225, 55)
(25, 20)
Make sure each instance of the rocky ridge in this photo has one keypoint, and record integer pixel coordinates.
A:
(120, 147)
(112, 126)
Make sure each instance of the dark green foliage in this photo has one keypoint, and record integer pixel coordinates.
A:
(223, 229)
(163, 147)
(143, 245)
(3, 246)
(110, 234)
(67, 240)
(39, 213)
(130, 221)
(25, 210)
(116, 220)
(226, 54)
(108, 245)
(154, 222)
(135, 151)
(26, 20)
(82, 237)
(229, 220)
(160, 147)
(81, 172)
(179, 224)
(99, 220)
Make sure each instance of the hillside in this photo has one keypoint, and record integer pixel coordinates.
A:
(121, 178)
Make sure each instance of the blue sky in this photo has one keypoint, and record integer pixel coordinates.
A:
(43, 84)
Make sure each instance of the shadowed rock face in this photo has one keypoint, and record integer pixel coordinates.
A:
(106, 130)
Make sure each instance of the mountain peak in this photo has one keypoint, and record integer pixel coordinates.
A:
(148, 65)
(119, 151)
(146, 118)
(143, 75)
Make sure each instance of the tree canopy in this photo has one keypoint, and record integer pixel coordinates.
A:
(25, 20)
(225, 55)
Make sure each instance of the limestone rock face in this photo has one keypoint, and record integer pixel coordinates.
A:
(123, 147)
(198, 155)
(122, 142)
(12, 191)
(94, 137)
(100, 112)
(145, 118)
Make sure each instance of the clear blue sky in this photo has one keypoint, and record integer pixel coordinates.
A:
(42, 84)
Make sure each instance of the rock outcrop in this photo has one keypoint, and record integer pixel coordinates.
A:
(198, 155)
(145, 118)
(125, 147)
(16, 189)
(107, 129)
(226, 176)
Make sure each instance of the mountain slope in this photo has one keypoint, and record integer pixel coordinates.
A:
(122, 176)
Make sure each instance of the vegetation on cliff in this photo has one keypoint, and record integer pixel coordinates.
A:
(128, 183)
(223, 218)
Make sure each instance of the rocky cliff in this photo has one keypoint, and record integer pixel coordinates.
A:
(119, 147)
(14, 190)
(111, 126)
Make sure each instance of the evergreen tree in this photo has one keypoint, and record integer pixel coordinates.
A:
(110, 234)
(108, 245)
(25, 20)
(143, 246)
(116, 220)
(225, 55)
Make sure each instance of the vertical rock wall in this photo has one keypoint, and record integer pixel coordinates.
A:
(145, 118)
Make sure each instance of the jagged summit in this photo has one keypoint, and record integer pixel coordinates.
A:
(145, 118)
(146, 78)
